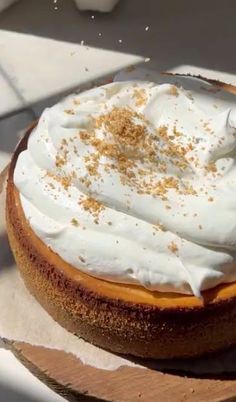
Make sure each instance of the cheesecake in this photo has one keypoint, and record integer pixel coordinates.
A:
(121, 216)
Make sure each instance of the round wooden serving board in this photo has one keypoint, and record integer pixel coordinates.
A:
(68, 376)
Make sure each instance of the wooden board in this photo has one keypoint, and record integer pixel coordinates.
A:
(68, 376)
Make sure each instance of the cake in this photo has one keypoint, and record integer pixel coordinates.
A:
(121, 215)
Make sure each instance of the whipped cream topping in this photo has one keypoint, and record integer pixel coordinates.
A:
(135, 182)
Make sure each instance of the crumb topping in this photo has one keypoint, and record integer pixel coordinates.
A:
(74, 222)
(69, 111)
(92, 205)
(173, 90)
(65, 180)
(173, 247)
(120, 122)
(127, 140)
(140, 97)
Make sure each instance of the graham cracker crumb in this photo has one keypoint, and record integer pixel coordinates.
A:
(140, 97)
(211, 167)
(69, 111)
(119, 122)
(65, 181)
(173, 90)
(92, 205)
(74, 222)
(173, 247)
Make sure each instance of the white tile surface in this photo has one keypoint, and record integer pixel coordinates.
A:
(40, 67)
(13, 379)
(9, 129)
(4, 159)
(8, 98)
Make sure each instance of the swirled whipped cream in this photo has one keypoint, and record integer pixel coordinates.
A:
(135, 182)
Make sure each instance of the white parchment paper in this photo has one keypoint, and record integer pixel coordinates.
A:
(23, 319)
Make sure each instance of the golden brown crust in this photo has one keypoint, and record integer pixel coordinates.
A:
(215, 83)
(123, 318)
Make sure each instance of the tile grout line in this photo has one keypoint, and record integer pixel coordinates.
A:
(24, 107)
(12, 86)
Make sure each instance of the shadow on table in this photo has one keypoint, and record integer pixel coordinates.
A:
(179, 32)
(8, 394)
(6, 257)
(208, 367)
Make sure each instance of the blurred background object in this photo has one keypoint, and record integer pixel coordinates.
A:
(104, 6)
(96, 5)
(6, 3)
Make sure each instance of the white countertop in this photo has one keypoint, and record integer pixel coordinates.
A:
(17, 384)
(47, 58)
